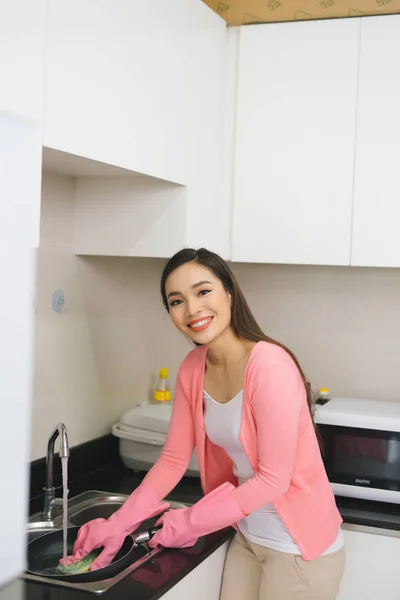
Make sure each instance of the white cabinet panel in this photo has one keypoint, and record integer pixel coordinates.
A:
(204, 582)
(376, 239)
(114, 91)
(22, 39)
(125, 80)
(22, 26)
(297, 87)
(139, 216)
(372, 565)
(208, 207)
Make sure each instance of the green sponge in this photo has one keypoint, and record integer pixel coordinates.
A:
(82, 566)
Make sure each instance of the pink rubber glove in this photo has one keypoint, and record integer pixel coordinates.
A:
(182, 527)
(142, 504)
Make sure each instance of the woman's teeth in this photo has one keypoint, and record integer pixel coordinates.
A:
(201, 323)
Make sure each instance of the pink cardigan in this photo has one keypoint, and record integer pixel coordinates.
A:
(278, 437)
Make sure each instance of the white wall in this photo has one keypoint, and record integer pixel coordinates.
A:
(342, 323)
(101, 354)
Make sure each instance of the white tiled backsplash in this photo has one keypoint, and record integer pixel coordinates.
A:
(101, 354)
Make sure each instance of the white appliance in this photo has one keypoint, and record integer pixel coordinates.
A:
(361, 447)
(142, 432)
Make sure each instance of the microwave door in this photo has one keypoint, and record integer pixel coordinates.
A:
(362, 463)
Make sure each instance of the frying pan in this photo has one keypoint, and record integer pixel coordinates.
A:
(44, 554)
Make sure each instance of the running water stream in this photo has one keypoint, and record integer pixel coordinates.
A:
(64, 467)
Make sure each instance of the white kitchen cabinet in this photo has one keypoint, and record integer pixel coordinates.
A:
(113, 83)
(376, 239)
(22, 27)
(139, 86)
(372, 564)
(295, 137)
(204, 582)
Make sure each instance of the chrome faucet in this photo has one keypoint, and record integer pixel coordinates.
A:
(50, 500)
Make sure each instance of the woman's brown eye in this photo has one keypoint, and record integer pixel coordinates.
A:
(175, 302)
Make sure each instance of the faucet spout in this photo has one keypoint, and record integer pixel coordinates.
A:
(49, 490)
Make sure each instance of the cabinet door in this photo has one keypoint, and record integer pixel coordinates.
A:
(372, 565)
(117, 87)
(22, 27)
(114, 91)
(376, 239)
(204, 582)
(297, 87)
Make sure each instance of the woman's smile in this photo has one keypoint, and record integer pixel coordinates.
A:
(200, 324)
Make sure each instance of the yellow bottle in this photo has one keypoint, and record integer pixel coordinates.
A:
(323, 396)
(162, 393)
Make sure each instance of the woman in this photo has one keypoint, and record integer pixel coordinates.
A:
(242, 400)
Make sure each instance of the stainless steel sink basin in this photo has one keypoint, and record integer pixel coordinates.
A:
(103, 506)
(99, 508)
(81, 509)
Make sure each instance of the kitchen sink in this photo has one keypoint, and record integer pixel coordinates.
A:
(103, 506)
(81, 509)
(85, 507)
(100, 508)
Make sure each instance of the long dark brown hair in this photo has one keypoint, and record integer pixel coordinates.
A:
(243, 322)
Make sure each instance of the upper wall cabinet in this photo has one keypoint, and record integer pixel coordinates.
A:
(113, 85)
(376, 239)
(296, 113)
(139, 85)
(115, 82)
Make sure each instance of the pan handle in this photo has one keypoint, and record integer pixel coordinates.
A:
(145, 536)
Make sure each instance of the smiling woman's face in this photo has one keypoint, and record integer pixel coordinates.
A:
(199, 305)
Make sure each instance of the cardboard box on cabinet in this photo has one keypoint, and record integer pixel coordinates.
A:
(242, 12)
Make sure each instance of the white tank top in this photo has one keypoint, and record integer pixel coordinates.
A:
(264, 526)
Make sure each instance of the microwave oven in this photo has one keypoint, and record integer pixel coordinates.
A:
(361, 447)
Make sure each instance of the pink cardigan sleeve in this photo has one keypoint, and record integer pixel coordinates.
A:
(178, 448)
(277, 395)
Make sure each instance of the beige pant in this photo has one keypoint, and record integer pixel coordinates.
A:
(253, 572)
